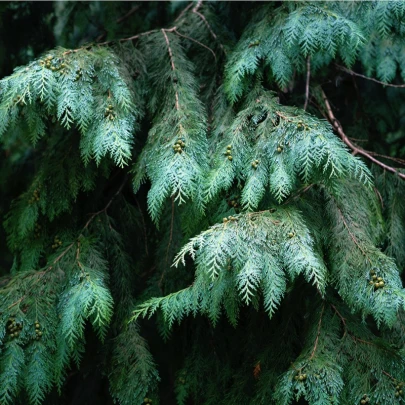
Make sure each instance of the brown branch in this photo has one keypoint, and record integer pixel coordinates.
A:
(132, 38)
(195, 11)
(171, 60)
(355, 338)
(317, 334)
(197, 6)
(379, 196)
(388, 375)
(307, 82)
(107, 206)
(128, 14)
(173, 29)
(395, 159)
(366, 342)
(369, 78)
(184, 11)
(338, 127)
(342, 319)
(348, 230)
(197, 42)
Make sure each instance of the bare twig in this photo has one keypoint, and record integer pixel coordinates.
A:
(184, 11)
(317, 334)
(142, 34)
(107, 206)
(307, 82)
(389, 375)
(197, 6)
(132, 38)
(394, 159)
(338, 127)
(195, 11)
(128, 14)
(298, 194)
(171, 61)
(350, 232)
(369, 78)
(119, 21)
(197, 42)
(342, 319)
(379, 196)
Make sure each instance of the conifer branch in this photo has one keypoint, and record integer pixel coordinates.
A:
(338, 127)
(307, 82)
(41, 274)
(342, 68)
(349, 231)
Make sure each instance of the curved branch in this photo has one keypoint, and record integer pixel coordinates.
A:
(338, 127)
(342, 68)
(197, 42)
(195, 11)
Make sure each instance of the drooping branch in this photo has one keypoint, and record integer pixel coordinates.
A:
(39, 275)
(338, 127)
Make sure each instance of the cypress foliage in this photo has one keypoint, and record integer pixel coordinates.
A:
(208, 210)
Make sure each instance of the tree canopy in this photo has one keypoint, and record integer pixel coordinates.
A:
(202, 203)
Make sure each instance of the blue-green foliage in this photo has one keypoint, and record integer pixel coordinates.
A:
(90, 90)
(276, 147)
(282, 39)
(236, 261)
(70, 290)
(178, 117)
(134, 372)
(281, 233)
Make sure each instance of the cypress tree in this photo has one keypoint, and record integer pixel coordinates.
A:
(204, 203)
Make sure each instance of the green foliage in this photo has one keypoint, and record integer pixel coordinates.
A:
(177, 229)
(179, 119)
(87, 89)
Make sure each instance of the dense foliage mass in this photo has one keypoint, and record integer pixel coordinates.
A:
(203, 203)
